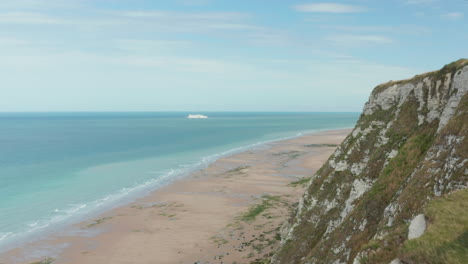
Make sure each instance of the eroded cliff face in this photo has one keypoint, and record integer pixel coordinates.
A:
(409, 146)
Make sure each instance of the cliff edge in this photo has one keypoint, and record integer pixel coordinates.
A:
(386, 187)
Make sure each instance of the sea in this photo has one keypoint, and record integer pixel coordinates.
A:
(57, 169)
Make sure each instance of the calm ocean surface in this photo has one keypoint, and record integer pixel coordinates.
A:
(60, 168)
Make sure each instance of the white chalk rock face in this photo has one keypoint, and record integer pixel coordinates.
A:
(395, 261)
(459, 85)
(417, 227)
(357, 260)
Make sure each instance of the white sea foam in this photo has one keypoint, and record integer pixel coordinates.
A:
(60, 218)
(5, 235)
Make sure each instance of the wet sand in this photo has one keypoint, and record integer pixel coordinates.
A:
(229, 212)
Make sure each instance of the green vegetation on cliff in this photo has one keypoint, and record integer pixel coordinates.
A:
(409, 147)
(446, 238)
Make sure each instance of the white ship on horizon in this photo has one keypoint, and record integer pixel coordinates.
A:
(197, 116)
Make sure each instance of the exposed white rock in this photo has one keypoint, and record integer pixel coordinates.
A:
(433, 105)
(417, 227)
(359, 188)
(357, 259)
(357, 168)
(329, 204)
(389, 213)
(337, 152)
(356, 131)
(290, 234)
(380, 235)
(363, 225)
(459, 84)
(396, 261)
(339, 249)
(420, 119)
(395, 94)
(353, 147)
(434, 102)
(382, 139)
(341, 166)
(313, 203)
(300, 206)
(437, 190)
(419, 93)
(366, 131)
(339, 262)
(347, 253)
(392, 154)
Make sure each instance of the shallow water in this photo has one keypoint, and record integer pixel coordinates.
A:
(59, 168)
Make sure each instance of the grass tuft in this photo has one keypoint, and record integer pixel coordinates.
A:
(320, 145)
(290, 154)
(239, 169)
(300, 182)
(99, 221)
(254, 211)
(44, 261)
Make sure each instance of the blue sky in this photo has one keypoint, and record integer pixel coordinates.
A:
(213, 55)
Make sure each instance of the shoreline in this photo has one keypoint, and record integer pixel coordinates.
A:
(139, 191)
(238, 181)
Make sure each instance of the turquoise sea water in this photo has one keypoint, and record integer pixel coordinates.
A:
(59, 168)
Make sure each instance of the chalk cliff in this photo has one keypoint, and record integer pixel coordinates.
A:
(381, 188)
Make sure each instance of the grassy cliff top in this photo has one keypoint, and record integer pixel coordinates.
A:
(435, 75)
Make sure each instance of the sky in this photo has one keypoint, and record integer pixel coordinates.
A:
(215, 55)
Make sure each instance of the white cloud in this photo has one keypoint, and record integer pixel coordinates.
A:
(194, 65)
(399, 29)
(40, 4)
(80, 59)
(12, 42)
(195, 2)
(120, 17)
(453, 16)
(183, 15)
(354, 40)
(145, 45)
(419, 2)
(262, 38)
(21, 45)
(29, 18)
(329, 8)
(166, 21)
(223, 25)
(193, 22)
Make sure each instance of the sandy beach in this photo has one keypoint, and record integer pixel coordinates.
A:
(229, 212)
